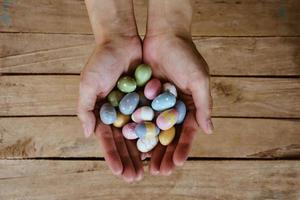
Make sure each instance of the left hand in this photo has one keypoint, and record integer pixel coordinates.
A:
(175, 58)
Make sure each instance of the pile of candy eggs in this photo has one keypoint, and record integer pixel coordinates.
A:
(144, 108)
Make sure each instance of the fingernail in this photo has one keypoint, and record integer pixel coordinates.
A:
(179, 164)
(86, 131)
(140, 177)
(154, 172)
(210, 126)
(143, 156)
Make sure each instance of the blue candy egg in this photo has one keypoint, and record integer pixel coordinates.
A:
(140, 130)
(108, 114)
(146, 129)
(181, 110)
(129, 103)
(163, 101)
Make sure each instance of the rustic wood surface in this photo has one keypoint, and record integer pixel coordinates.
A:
(211, 18)
(29, 137)
(253, 50)
(67, 53)
(233, 96)
(224, 180)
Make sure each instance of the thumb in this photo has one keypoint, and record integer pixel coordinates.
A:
(86, 104)
(203, 101)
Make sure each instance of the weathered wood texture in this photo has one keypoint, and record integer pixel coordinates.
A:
(226, 180)
(236, 138)
(213, 18)
(240, 97)
(65, 53)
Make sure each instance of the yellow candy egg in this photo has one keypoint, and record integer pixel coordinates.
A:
(167, 136)
(121, 120)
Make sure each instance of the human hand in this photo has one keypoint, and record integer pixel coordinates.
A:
(175, 58)
(106, 64)
(118, 48)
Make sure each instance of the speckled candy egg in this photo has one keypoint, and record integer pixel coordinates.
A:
(167, 119)
(129, 103)
(128, 131)
(146, 144)
(163, 101)
(181, 110)
(144, 113)
(126, 84)
(146, 129)
(115, 97)
(142, 74)
(108, 114)
(121, 120)
(167, 136)
(152, 89)
(171, 88)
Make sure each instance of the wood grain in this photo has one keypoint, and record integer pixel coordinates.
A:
(211, 18)
(226, 180)
(241, 56)
(239, 97)
(233, 138)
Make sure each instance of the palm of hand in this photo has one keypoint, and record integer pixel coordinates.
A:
(104, 67)
(177, 60)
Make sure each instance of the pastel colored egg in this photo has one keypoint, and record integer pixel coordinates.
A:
(167, 119)
(171, 88)
(157, 130)
(126, 84)
(129, 103)
(143, 100)
(146, 129)
(163, 101)
(128, 131)
(121, 120)
(152, 89)
(144, 113)
(142, 74)
(115, 97)
(167, 136)
(108, 114)
(181, 110)
(146, 144)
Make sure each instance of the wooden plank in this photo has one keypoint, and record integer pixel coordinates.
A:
(65, 53)
(226, 180)
(239, 97)
(232, 138)
(213, 18)
(12, 44)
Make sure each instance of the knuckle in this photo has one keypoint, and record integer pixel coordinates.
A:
(200, 79)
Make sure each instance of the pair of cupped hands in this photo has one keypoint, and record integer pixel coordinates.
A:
(173, 58)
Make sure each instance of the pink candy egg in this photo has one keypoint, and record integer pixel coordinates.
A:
(152, 89)
(129, 131)
(144, 113)
(167, 119)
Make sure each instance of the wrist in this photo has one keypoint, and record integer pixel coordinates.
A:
(111, 19)
(169, 17)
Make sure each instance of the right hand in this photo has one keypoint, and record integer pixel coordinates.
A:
(101, 73)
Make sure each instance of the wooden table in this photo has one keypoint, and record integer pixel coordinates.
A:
(253, 50)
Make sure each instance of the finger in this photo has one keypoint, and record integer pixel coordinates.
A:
(129, 173)
(203, 102)
(86, 104)
(167, 163)
(135, 157)
(146, 155)
(189, 130)
(156, 158)
(109, 149)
